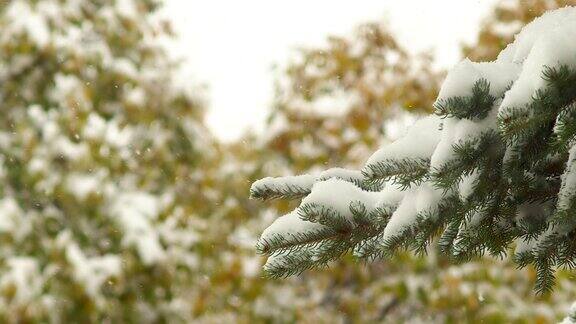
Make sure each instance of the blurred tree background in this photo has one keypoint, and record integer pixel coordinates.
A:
(103, 156)
(117, 204)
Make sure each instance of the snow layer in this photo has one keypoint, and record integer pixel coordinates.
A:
(524, 41)
(288, 225)
(339, 194)
(390, 196)
(416, 202)
(546, 42)
(460, 81)
(568, 187)
(525, 246)
(306, 181)
(340, 173)
(456, 130)
(419, 142)
(466, 185)
(404, 216)
(284, 183)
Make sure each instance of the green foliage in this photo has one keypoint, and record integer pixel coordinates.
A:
(404, 172)
(287, 191)
(475, 106)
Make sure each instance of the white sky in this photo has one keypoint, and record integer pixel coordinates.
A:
(231, 46)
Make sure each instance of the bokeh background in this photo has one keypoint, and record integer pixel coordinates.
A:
(124, 179)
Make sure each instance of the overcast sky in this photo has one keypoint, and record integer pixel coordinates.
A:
(231, 46)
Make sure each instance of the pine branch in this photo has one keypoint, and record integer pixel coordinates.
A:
(404, 172)
(475, 106)
(285, 191)
(565, 128)
(326, 216)
(291, 242)
(509, 182)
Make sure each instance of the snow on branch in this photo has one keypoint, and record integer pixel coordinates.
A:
(494, 167)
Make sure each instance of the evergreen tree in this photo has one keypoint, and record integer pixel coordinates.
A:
(346, 91)
(492, 168)
(100, 158)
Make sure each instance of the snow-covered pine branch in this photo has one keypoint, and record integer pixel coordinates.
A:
(494, 167)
